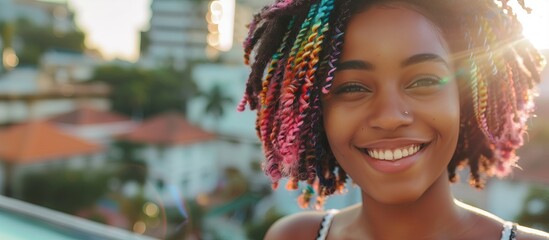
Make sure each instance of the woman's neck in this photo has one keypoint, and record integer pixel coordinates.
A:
(433, 216)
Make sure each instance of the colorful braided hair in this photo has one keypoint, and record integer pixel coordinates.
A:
(296, 45)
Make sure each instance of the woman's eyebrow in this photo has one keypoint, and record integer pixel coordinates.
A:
(415, 59)
(356, 65)
(423, 57)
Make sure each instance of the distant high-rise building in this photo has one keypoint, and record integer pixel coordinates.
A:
(177, 33)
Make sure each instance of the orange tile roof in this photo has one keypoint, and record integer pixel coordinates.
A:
(38, 141)
(84, 115)
(168, 129)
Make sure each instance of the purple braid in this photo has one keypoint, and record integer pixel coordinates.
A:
(337, 44)
(285, 140)
(343, 11)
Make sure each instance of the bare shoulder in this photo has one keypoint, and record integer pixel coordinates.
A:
(488, 223)
(525, 233)
(304, 225)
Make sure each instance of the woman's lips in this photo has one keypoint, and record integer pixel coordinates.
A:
(394, 153)
(394, 159)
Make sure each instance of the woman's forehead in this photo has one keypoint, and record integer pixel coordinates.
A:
(391, 32)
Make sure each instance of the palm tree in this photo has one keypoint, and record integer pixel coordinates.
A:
(216, 101)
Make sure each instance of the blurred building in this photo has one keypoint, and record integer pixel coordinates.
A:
(179, 29)
(37, 145)
(25, 95)
(180, 157)
(177, 33)
(239, 145)
(57, 85)
(58, 66)
(93, 124)
(46, 13)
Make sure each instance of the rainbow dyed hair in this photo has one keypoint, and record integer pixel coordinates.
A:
(298, 43)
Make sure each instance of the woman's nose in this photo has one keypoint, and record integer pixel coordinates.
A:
(389, 112)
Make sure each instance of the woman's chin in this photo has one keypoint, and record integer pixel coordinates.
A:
(402, 196)
(399, 198)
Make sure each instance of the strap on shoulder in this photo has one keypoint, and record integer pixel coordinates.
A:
(325, 224)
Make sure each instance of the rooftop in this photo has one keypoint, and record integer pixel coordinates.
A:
(85, 115)
(36, 141)
(169, 129)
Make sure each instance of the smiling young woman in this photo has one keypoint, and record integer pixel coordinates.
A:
(396, 95)
(405, 68)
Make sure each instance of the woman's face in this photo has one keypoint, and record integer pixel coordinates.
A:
(392, 115)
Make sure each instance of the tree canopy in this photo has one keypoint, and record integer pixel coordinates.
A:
(38, 39)
(143, 93)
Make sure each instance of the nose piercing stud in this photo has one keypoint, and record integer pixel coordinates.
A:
(406, 113)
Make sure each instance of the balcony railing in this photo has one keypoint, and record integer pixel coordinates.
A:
(21, 220)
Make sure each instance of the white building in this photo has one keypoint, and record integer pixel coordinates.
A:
(180, 157)
(55, 87)
(23, 96)
(240, 145)
(38, 145)
(62, 66)
(177, 33)
(95, 125)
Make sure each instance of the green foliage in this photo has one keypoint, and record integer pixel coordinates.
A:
(190, 227)
(65, 190)
(6, 34)
(529, 215)
(145, 41)
(134, 208)
(37, 39)
(131, 165)
(259, 229)
(216, 100)
(236, 183)
(142, 93)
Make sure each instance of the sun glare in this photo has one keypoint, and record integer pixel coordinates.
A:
(536, 24)
(113, 27)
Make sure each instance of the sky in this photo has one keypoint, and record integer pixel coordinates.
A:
(536, 24)
(113, 26)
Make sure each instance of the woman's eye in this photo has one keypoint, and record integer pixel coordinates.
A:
(350, 88)
(425, 82)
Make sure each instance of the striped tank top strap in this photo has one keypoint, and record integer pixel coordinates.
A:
(325, 224)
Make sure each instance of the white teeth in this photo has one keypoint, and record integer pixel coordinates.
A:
(397, 154)
(393, 154)
(388, 155)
